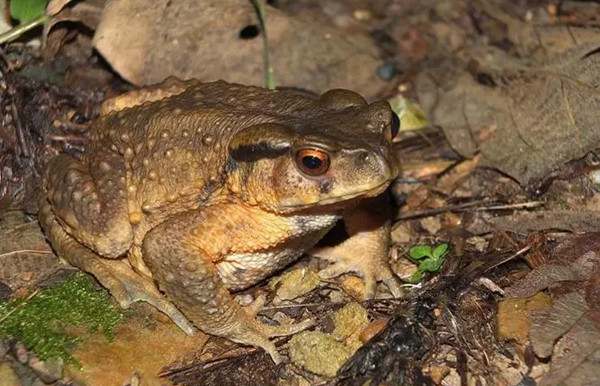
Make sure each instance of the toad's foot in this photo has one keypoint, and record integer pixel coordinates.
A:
(273, 331)
(247, 330)
(360, 254)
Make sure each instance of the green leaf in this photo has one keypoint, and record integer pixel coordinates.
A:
(440, 250)
(410, 113)
(431, 265)
(420, 251)
(25, 11)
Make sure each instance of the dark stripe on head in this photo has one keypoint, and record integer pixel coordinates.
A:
(255, 152)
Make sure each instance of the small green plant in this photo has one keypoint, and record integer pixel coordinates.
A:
(41, 322)
(428, 259)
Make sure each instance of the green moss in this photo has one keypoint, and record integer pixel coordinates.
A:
(41, 322)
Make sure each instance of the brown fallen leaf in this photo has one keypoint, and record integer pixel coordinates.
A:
(568, 332)
(540, 40)
(86, 13)
(540, 279)
(550, 324)
(220, 39)
(565, 220)
(451, 180)
(531, 120)
(424, 169)
(25, 257)
(374, 328)
(575, 354)
(55, 6)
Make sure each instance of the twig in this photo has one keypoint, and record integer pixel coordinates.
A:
(22, 28)
(28, 298)
(511, 257)
(300, 305)
(366, 302)
(25, 251)
(23, 143)
(469, 206)
(66, 138)
(520, 205)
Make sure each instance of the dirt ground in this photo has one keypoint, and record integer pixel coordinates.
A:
(496, 213)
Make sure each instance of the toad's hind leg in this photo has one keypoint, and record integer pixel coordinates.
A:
(80, 218)
(179, 251)
(123, 283)
(88, 199)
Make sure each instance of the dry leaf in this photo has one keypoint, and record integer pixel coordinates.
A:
(55, 6)
(567, 220)
(451, 180)
(201, 39)
(533, 119)
(541, 278)
(548, 325)
(85, 12)
(574, 354)
(25, 257)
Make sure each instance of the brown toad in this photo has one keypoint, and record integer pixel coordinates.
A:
(207, 188)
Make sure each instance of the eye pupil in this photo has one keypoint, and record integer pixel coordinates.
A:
(311, 162)
(395, 125)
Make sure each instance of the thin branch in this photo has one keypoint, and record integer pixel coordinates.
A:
(25, 251)
(511, 257)
(22, 28)
(470, 206)
(520, 205)
(20, 305)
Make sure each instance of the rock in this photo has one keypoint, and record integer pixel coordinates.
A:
(48, 371)
(295, 283)
(353, 286)
(349, 321)
(141, 346)
(318, 352)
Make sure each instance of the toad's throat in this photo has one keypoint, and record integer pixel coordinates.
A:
(241, 270)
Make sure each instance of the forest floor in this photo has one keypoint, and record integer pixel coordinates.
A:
(496, 215)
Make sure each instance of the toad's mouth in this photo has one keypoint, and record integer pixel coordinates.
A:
(341, 199)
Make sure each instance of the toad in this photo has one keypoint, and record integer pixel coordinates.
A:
(189, 191)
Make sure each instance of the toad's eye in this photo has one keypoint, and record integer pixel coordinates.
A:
(394, 127)
(313, 162)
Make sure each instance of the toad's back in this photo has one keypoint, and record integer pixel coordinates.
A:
(175, 150)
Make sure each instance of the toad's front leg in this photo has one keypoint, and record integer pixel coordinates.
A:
(181, 254)
(366, 250)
